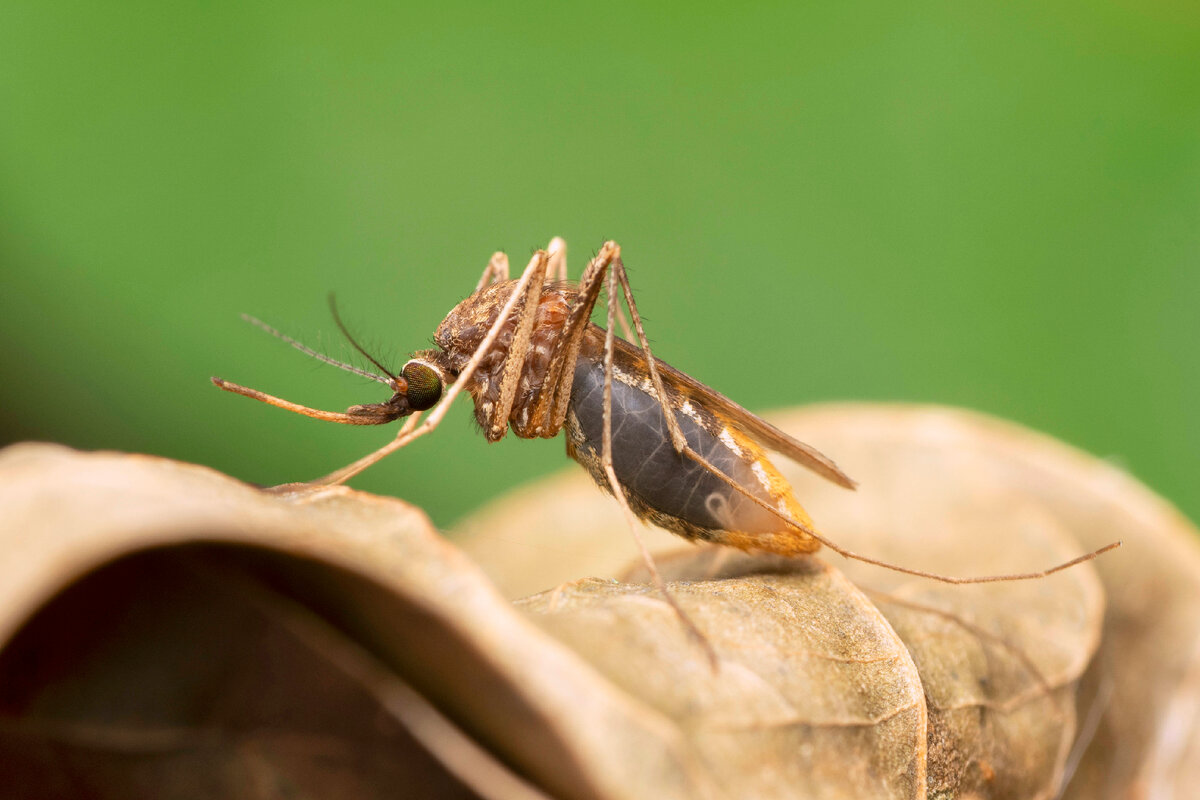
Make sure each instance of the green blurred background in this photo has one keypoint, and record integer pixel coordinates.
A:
(994, 205)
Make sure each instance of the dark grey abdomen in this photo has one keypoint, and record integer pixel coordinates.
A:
(653, 475)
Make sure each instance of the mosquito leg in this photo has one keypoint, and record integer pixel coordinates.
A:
(495, 271)
(682, 447)
(510, 377)
(403, 437)
(406, 435)
(606, 460)
(558, 273)
(677, 438)
(557, 249)
(845, 553)
(621, 320)
(550, 411)
(626, 333)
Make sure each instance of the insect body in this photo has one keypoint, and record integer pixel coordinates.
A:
(670, 449)
(660, 484)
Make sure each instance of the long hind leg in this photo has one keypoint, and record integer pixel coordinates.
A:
(681, 446)
(606, 460)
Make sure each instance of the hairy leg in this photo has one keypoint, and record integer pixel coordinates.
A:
(495, 271)
(606, 460)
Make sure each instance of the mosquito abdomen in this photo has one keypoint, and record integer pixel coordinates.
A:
(672, 490)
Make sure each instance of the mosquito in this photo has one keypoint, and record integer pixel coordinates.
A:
(672, 451)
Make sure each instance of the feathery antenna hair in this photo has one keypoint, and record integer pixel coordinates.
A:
(308, 351)
(345, 332)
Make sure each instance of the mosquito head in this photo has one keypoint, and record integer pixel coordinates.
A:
(418, 386)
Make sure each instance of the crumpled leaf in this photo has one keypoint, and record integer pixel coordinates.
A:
(166, 631)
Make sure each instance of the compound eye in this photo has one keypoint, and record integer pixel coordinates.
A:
(424, 385)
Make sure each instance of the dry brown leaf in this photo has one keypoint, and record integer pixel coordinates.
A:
(169, 632)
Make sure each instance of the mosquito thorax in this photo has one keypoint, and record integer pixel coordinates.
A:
(467, 325)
